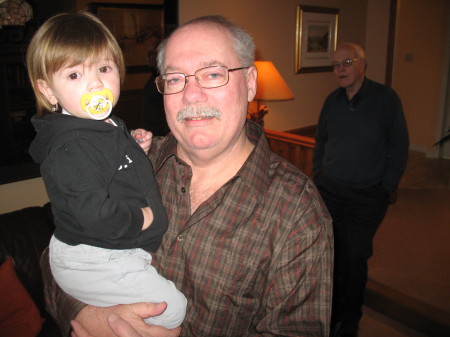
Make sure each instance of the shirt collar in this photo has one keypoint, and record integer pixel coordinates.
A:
(362, 91)
(254, 172)
(357, 97)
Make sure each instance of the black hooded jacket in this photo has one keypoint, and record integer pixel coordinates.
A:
(97, 178)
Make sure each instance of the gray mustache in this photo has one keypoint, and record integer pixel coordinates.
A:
(198, 111)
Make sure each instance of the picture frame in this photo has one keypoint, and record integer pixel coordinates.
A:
(137, 27)
(316, 38)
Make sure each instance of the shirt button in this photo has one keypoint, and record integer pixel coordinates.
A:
(183, 190)
(180, 238)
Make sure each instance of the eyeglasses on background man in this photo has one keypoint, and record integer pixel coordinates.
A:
(346, 63)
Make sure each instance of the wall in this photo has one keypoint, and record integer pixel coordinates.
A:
(377, 33)
(22, 194)
(272, 25)
(445, 148)
(421, 56)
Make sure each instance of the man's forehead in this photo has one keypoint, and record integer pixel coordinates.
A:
(195, 65)
(200, 33)
(343, 53)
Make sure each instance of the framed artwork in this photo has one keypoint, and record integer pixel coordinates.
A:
(315, 40)
(137, 27)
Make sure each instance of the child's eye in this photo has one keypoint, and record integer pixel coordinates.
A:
(74, 76)
(105, 69)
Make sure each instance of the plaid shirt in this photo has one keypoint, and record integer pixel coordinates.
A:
(254, 259)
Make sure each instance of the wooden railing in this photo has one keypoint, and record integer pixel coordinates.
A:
(297, 149)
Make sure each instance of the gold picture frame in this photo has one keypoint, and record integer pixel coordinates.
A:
(316, 38)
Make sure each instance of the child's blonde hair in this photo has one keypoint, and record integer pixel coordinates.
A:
(68, 39)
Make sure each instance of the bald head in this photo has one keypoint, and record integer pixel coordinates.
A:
(356, 50)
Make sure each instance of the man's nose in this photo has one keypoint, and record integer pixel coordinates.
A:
(193, 80)
(193, 91)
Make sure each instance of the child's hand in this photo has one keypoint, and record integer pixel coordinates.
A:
(148, 217)
(143, 138)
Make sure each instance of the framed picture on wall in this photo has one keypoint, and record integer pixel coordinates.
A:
(137, 27)
(315, 40)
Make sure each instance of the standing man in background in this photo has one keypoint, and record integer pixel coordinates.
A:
(360, 155)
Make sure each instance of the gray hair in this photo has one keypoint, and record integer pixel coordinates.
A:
(243, 42)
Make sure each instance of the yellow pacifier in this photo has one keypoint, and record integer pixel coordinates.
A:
(98, 104)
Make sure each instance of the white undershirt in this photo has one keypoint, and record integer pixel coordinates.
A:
(107, 120)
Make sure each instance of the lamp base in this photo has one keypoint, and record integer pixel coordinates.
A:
(258, 115)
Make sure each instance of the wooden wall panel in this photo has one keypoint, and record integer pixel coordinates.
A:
(298, 150)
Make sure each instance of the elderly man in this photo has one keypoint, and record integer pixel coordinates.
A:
(360, 155)
(249, 240)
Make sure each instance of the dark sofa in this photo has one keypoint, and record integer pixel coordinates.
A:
(24, 234)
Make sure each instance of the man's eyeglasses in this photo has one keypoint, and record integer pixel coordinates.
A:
(208, 77)
(346, 63)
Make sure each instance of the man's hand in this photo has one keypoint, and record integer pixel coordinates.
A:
(117, 324)
(143, 137)
(124, 320)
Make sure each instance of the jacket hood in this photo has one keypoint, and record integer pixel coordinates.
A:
(56, 129)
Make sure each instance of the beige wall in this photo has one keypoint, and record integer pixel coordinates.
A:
(377, 33)
(22, 194)
(419, 61)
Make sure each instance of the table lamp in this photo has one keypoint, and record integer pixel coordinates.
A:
(271, 87)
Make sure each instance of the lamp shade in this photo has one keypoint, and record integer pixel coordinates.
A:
(271, 86)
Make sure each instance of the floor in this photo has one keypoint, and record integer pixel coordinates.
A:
(426, 173)
(412, 256)
(374, 324)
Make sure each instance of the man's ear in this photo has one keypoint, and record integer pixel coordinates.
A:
(252, 75)
(46, 91)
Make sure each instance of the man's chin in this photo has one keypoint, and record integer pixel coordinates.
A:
(343, 83)
(201, 140)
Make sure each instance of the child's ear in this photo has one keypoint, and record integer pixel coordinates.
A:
(47, 91)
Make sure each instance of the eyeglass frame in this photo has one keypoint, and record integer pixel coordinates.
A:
(186, 78)
(347, 63)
